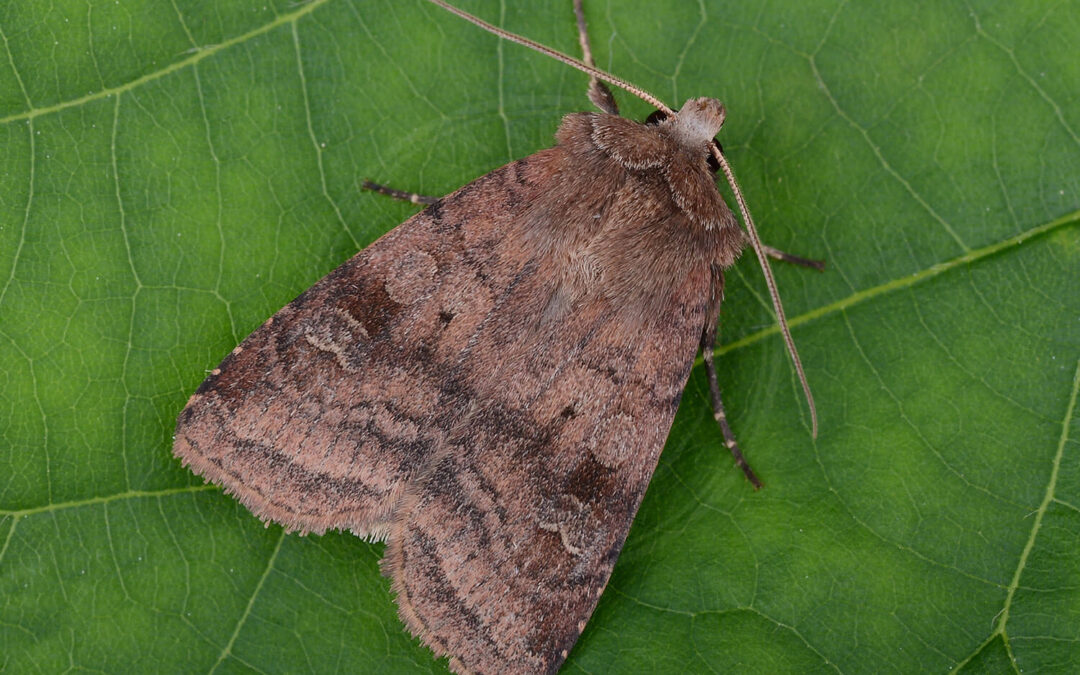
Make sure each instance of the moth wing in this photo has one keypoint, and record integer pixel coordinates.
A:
(320, 417)
(500, 551)
(488, 387)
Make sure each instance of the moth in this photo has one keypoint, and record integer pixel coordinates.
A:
(488, 386)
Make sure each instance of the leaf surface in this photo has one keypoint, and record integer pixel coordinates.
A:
(173, 173)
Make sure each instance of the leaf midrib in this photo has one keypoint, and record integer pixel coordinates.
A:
(902, 283)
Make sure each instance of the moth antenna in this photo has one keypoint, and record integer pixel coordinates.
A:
(759, 250)
(591, 71)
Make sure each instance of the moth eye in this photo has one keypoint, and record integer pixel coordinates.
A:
(656, 117)
(714, 165)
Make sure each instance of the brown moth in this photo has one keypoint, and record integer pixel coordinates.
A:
(488, 386)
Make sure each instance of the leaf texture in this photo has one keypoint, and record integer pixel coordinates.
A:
(174, 173)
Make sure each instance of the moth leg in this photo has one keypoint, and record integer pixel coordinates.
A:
(708, 346)
(399, 194)
(599, 93)
(777, 254)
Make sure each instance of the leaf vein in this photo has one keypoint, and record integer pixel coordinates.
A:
(923, 440)
(204, 52)
(1048, 497)
(105, 499)
(315, 141)
(976, 255)
(1058, 113)
(876, 149)
(226, 652)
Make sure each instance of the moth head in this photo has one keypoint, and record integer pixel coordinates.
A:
(695, 125)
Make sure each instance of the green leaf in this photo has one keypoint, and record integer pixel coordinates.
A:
(171, 173)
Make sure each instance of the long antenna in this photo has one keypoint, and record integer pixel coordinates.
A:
(755, 240)
(759, 250)
(592, 71)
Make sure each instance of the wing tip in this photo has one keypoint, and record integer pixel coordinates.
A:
(365, 525)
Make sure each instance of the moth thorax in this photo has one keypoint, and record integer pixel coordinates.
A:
(698, 121)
